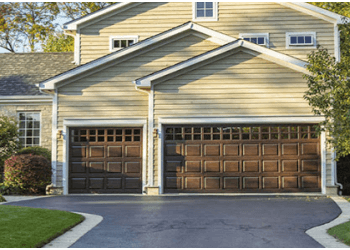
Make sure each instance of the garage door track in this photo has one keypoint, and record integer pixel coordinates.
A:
(196, 221)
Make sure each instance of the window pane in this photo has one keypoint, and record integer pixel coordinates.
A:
(116, 44)
(300, 39)
(36, 141)
(22, 116)
(293, 39)
(261, 40)
(22, 124)
(247, 38)
(209, 5)
(200, 13)
(29, 133)
(308, 39)
(130, 42)
(30, 124)
(123, 43)
(253, 39)
(29, 141)
(36, 116)
(200, 5)
(36, 132)
(209, 13)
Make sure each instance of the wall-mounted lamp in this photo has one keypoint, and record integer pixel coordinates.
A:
(59, 134)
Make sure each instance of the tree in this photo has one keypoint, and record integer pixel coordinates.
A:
(75, 10)
(58, 42)
(26, 23)
(329, 85)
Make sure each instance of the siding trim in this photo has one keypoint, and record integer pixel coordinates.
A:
(107, 122)
(52, 82)
(336, 43)
(54, 139)
(248, 119)
(296, 64)
(150, 138)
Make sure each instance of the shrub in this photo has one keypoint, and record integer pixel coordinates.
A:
(2, 199)
(9, 142)
(36, 151)
(27, 174)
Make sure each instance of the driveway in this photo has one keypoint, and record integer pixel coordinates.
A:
(196, 221)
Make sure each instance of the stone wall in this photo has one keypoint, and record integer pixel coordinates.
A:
(46, 118)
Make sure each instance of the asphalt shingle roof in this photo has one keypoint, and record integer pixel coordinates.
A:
(19, 72)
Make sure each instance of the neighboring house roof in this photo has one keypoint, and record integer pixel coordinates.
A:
(19, 72)
(268, 54)
(215, 37)
(302, 7)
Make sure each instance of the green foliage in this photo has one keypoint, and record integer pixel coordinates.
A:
(75, 10)
(2, 199)
(329, 95)
(27, 173)
(58, 43)
(26, 23)
(9, 143)
(36, 151)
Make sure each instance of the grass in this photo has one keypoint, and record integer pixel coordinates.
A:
(342, 231)
(24, 227)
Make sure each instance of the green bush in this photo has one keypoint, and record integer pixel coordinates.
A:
(2, 199)
(9, 142)
(36, 151)
(27, 174)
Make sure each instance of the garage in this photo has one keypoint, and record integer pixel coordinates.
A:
(105, 160)
(241, 158)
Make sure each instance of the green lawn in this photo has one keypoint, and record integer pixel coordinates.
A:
(342, 231)
(33, 227)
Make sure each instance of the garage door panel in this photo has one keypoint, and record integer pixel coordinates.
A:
(242, 158)
(105, 160)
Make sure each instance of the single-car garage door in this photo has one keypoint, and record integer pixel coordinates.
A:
(105, 160)
(242, 158)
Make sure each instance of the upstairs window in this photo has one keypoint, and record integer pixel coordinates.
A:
(301, 40)
(121, 42)
(29, 129)
(257, 38)
(205, 11)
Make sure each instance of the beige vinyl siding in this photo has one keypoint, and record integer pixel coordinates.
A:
(149, 19)
(237, 85)
(110, 93)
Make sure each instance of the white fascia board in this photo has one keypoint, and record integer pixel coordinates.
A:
(26, 99)
(315, 11)
(294, 63)
(51, 83)
(74, 24)
(95, 122)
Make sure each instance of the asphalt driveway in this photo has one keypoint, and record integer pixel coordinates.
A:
(196, 221)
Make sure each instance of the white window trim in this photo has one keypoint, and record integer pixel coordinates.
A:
(205, 19)
(102, 122)
(265, 35)
(313, 46)
(237, 120)
(40, 128)
(111, 38)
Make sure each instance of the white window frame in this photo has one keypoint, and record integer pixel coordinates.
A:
(301, 46)
(265, 35)
(40, 127)
(112, 38)
(204, 19)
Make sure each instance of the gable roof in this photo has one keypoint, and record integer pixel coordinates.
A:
(299, 6)
(19, 72)
(268, 54)
(217, 37)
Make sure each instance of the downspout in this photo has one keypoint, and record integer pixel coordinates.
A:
(335, 176)
(76, 46)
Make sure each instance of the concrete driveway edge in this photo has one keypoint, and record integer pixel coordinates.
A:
(320, 233)
(70, 237)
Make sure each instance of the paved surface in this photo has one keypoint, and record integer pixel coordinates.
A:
(197, 221)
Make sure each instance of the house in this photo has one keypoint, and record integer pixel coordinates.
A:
(191, 98)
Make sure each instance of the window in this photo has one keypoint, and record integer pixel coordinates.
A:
(300, 40)
(120, 42)
(29, 129)
(257, 38)
(205, 11)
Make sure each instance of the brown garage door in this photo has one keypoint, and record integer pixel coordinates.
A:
(242, 158)
(105, 160)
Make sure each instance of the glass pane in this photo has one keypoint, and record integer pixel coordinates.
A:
(301, 39)
(29, 132)
(255, 129)
(245, 136)
(22, 124)
(116, 44)
(274, 136)
(226, 136)
(255, 136)
(308, 39)
(293, 40)
(22, 116)
(284, 136)
(274, 129)
(226, 130)
(92, 132)
(36, 132)
(130, 42)
(304, 136)
(110, 132)
(284, 129)
(304, 129)
(209, 5)
(188, 137)
(178, 130)
(36, 124)
(30, 124)
(200, 5)
(200, 13)
(21, 132)
(169, 130)
(137, 131)
(265, 129)
(100, 138)
(118, 138)
(29, 141)
(100, 132)
(235, 129)
(196, 130)
(123, 43)
(294, 129)
(245, 130)
(235, 137)
(178, 137)
(261, 40)
(216, 137)
(314, 135)
(137, 138)
(253, 40)
(207, 130)
(36, 141)
(119, 132)
(207, 137)
(36, 116)
(83, 139)
(246, 38)
(169, 137)
(127, 138)
(22, 141)
(128, 131)
(293, 136)
(216, 130)
(188, 130)
(196, 137)
(110, 138)
(209, 13)
(265, 136)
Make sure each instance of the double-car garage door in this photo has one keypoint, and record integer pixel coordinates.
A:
(197, 159)
(242, 158)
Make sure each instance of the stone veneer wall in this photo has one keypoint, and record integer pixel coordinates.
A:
(46, 119)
